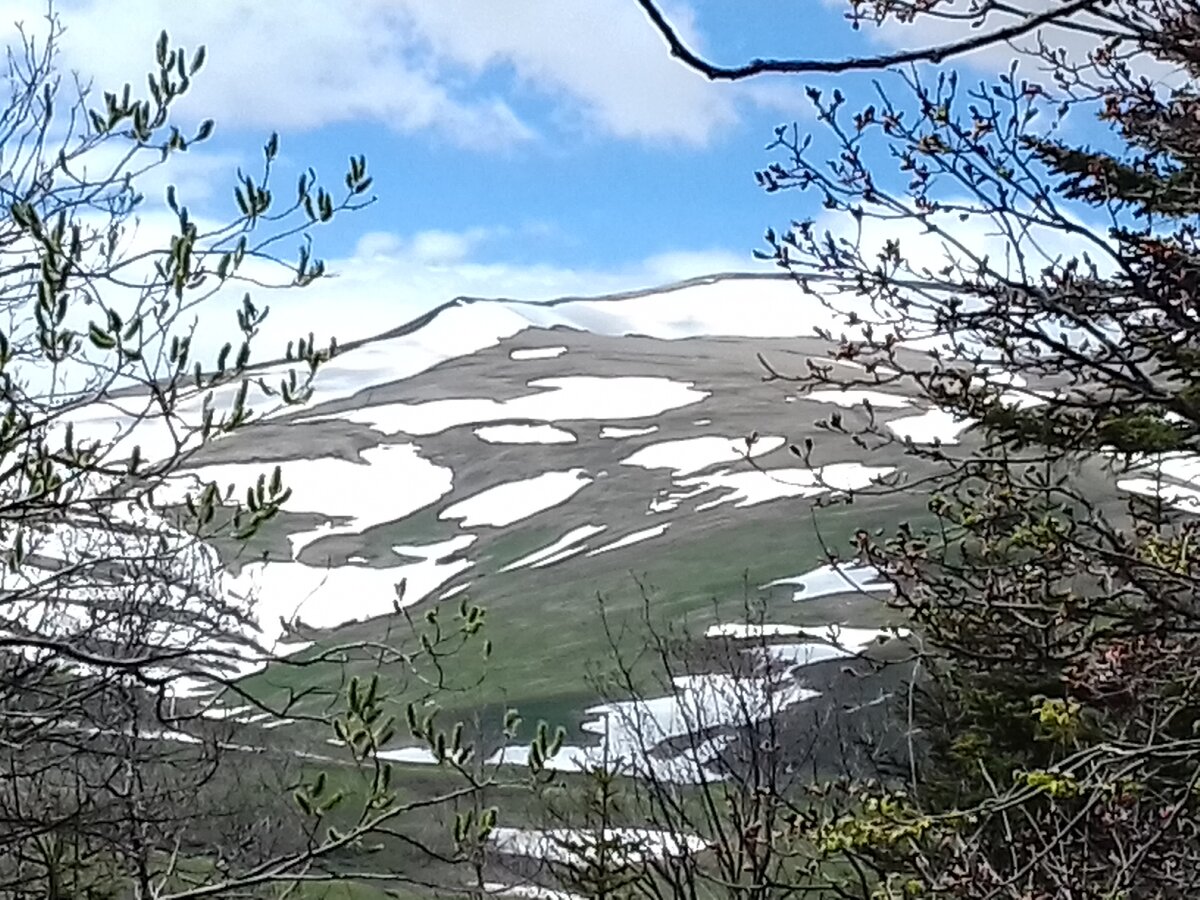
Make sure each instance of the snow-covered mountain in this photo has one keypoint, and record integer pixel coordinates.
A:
(538, 457)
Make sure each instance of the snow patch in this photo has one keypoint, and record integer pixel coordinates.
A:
(524, 434)
(668, 500)
(929, 427)
(1023, 399)
(826, 580)
(329, 597)
(995, 375)
(438, 551)
(635, 538)
(571, 845)
(532, 891)
(513, 501)
(850, 639)
(413, 755)
(569, 398)
(393, 482)
(743, 631)
(754, 487)
(632, 730)
(826, 641)
(220, 713)
(797, 656)
(567, 553)
(1178, 496)
(569, 540)
(617, 432)
(454, 591)
(537, 353)
(689, 455)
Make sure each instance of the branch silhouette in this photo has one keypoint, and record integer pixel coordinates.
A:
(937, 53)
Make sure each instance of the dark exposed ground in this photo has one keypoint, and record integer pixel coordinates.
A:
(548, 624)
(707, 568)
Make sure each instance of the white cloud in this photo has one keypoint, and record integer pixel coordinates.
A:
(1013, 246)
(602, 54)
(679, 265)
(198, 176)
(448, 67)
(293, 66)
(391, 278)
(386, 281)
(433, 248)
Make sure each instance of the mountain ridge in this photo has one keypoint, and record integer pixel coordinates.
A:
(534, 456)
(464, 300)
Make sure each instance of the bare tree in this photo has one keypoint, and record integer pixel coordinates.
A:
(118, 624)
(1040, 293)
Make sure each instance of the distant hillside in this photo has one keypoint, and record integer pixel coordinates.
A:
(544, 458)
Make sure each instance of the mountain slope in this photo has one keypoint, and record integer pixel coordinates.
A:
(551, 460)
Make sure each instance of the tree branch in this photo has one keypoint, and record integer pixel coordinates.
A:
(936, 54)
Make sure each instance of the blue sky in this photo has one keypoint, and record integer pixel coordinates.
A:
(528, 148)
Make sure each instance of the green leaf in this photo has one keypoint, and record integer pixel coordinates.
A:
(303, 802)
(102, 339)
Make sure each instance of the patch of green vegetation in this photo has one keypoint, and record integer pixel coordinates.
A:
(503, 548)
(549, 639)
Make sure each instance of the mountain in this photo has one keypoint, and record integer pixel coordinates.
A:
(580, 469)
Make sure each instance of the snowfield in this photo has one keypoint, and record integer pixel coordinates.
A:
(524, 434)
(753, 487)
(934, 426)
(573, 397)
(457, 470)
(505, 504)
(537, 353)
(695, 454)
(829, 579)
(393, 481)
(571, 540)
(716, 306)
